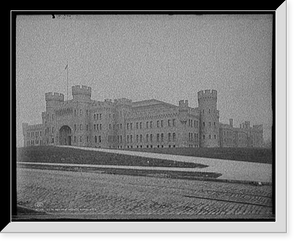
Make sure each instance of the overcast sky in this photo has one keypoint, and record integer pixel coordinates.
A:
(165, 57)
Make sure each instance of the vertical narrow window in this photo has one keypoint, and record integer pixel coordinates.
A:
(174, 122)
(95, 139)
(150, 124)
(141, 138)
(137, 138)
(157, 124)
(162, 123)
(151, 137)
(157, 137)
(169, 123)
(130, 126)
(169, 137)
(141, 125)
(147, 137)
(174, 137)
(137, 125)
(162, 137)
(147, 124)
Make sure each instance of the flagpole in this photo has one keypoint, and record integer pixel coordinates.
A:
(67, 80)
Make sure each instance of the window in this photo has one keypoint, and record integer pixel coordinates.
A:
(74, 139)
(169, 123)
(209, 111)
(215, 136)
(127, 126)
(130, 126)
(151, 136)
(137, 125)
(209, 124)
(100, 126)
(195, 136)
(203, 136)
(169, 137)
(80, 128)
(147, 137)
(150, 124)
(174, 137)
(147, 124)
(74, 127)
(203, 123)
(174, 122)
(137, 138)
(162, 137)
(87, 139)
(127, 138)
(214, 123)
(191, 123)
(130, 138)
(120, 126)
(109, 126)
(157, 137)
(141, 125)
(95, 139)
(141, 138)
(162, 123)
(157, 124)
(209, 136)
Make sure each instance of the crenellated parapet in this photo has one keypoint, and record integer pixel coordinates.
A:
(207, 94)
(50, 96)
(81, 92)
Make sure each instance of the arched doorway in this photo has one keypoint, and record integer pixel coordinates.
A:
(65, 134)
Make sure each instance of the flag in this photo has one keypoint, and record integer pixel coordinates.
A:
(66, 66)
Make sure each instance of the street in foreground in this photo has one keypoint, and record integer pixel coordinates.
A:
(59, 194)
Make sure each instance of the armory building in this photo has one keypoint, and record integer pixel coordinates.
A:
(122, 123)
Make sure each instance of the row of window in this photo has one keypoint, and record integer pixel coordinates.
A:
(209, 136)
(209, 124)
(193, 137)
(149, 138)
(149, 124)
(193, 123)
(34, 134)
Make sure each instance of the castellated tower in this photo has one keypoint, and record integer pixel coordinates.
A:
(53, 99)
(82, 93)
(209, 118)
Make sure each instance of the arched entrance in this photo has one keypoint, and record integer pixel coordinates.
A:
(65, 134)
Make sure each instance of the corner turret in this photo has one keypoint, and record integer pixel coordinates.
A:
(209, 118)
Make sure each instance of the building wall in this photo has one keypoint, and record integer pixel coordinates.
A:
(144, 124)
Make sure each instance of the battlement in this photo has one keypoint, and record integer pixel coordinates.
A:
(183, 103)
(54, 96)
(207, 94)
(81, 90)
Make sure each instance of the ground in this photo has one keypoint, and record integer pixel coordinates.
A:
(84, 184)
(59, 194)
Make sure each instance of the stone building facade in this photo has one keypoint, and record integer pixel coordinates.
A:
(124, 124)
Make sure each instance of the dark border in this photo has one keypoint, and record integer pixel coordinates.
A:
(225, 8)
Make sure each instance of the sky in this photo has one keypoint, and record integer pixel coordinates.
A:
(165, 57)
